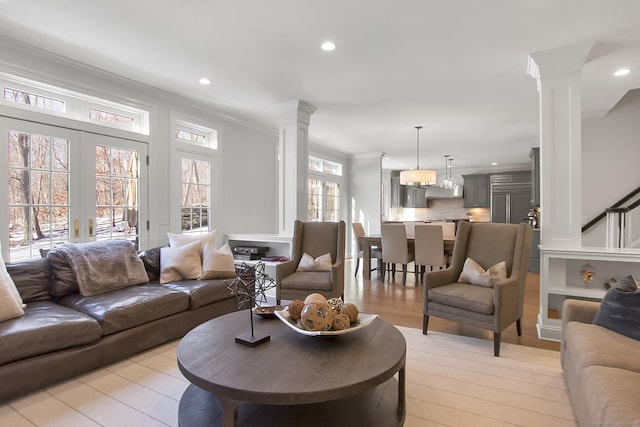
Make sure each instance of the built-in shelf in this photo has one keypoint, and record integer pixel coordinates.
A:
(278, 246)
(561, 278)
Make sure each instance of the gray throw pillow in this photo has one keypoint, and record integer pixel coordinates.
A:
(620, 309)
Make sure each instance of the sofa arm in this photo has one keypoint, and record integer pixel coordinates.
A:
(574, 310)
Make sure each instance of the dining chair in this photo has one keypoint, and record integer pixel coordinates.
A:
(429, 247)
(449, 228)
(376, 252)
(395, 249)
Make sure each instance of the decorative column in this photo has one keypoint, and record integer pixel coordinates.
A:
(293, 155)
(558, 74)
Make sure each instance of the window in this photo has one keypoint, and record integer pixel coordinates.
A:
(324, 166)
(31, 95)
(117, 189)
(194, 144)
(323, 199)
(194, 134)
(195, 195)
(111, 118)
(38, 193)
(38, 101)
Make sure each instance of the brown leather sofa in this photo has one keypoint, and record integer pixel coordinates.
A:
(63, 333)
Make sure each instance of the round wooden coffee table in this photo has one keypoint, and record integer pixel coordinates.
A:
(293, 379)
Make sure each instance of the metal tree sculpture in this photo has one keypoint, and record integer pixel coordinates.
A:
(249, 288)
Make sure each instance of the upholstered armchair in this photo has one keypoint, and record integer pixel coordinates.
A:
(493, 303)
(314, 239)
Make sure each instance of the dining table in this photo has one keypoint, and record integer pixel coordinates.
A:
(374, 240)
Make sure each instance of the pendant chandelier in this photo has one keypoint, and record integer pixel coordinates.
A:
(417, 176)
(448, 181)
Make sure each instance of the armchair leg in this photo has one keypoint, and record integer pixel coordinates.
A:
(425, 324)
(357, 265)
(519, 327)
(496, 344)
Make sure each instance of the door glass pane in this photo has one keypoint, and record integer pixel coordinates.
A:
(196, 189)
(333, 201)
(314, 201)
(117, 189)
(38, 194)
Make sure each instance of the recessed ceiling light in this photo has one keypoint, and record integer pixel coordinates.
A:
(204, 81)
(328, 46)
(494, 164)
(622, 72)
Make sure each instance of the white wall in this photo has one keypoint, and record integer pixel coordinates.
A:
(610, 163)
(365, 192)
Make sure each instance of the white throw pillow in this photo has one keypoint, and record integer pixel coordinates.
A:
(184, 239)
(217, 263)
(473, 273)
(180, 262)
(11, 305)
(322, 263)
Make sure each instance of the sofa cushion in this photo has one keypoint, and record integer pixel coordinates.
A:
(201, 292)
(321, 263)
(151, 260)
(217, 263)
(45, 327)
(594, 345)
(176, 240)
(180, 262)
(11, 305)
(465, 296)
(475, 274)
(308, 280)
(32, 278)
(128, 307)
(63, 278)
(612, 395)
(620, 309)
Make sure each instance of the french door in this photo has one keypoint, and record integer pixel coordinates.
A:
(323, 200)
(68, 186)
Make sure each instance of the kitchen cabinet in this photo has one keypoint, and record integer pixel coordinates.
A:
(534, 155)
(397, 191)
(476, 191)
(415, 197)
(510, 197)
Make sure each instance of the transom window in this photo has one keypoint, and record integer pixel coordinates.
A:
(31, 95)
(194, 134)
(324, 166)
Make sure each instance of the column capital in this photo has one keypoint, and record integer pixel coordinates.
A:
(558, 61)
(296, 109)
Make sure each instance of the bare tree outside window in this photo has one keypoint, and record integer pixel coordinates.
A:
(38, 193)
(196, 190)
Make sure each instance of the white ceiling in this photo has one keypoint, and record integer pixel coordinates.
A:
(458, 68)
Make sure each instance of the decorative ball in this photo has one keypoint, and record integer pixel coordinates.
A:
(341, 321)
(315, 297)
(350, 310)
(335, 304)
(316, 316)
(295, 308)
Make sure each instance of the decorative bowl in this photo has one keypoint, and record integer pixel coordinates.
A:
(363, 321)
(267, 311)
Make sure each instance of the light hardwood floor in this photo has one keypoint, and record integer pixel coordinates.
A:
(402, 306)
